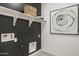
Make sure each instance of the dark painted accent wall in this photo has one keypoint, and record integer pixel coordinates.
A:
(14, 6)
(23, 33)
(20, 6)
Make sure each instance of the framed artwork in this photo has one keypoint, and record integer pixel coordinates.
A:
(65, 20)
(5, 37)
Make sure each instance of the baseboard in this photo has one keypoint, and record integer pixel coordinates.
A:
(35, 53)
(53, 54)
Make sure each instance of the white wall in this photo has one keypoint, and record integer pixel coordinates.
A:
(57, 44)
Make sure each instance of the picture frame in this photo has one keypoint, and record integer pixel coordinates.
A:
(65, 20)
(5, 37)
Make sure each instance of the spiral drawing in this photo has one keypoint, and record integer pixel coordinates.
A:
(63, 20)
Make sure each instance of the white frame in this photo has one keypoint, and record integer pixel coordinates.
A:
(8, 38)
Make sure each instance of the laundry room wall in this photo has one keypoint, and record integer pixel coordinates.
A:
(56, 44)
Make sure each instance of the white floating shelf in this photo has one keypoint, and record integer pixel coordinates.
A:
(17, 14)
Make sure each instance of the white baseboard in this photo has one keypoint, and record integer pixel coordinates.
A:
(53, 54)
(35, 53)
